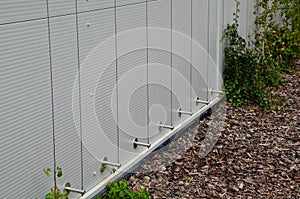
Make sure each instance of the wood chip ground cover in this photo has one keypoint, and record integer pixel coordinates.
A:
(256, 156)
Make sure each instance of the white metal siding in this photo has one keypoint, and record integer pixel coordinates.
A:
(200, 50)
(25, 110)
(130, 17)
(128, 2)
(89, 5)
(213, 51)
(21, 10)
(110, 120)
(159, 16)
(64, 64)
(181, 23)
(94, 28)
(59, 7)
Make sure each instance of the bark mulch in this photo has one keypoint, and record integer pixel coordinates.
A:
(257, 155)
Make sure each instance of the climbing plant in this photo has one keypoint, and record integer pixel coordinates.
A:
(252, 68)
(55, 192)
(121, 190)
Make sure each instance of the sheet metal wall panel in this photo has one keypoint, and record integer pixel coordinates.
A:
(59, 7)
(88, 5)
(200, 52)
(250, 19)
(213, 30)
(94, 28)
(21, 10)
(132, 121)
(128, 2)
(243, 18)
(229, 9)
(25, 110)
(64, 63)
(159, 16)
(212, 67)
(221, 28)
(220, 47)
(182, 61)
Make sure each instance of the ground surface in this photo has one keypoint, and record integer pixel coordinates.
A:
(256, 156)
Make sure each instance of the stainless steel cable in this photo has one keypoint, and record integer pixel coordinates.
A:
(52, 94)
(79, 93)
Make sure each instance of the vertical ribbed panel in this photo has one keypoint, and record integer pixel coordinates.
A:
(243, 18)
(88, 5)
(94, 28)
(213, 69)
(200, 52)
(221, 28)
(250, 18)
(213, 30)
(26, 136)
(159, 16)
(229, 9)
(64, 64)
(25, 110)
(200, 22)
(133, 110)
(128, 2)
(181, 56)
(59, 7)
(21, 10)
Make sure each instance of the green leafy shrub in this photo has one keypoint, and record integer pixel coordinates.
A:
(252, 68)
(121, 190)
(242, 74)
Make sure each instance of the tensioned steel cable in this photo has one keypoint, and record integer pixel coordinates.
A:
(79, 92)
(52, 94)
(191, 58)
(117, 87)
(171, 110)
(148, 101)
(208, 53)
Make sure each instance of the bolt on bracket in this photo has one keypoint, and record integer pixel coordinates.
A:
(105, 162)
(161, 126)
(136, 143)
(198, 101)
(180, 112)
(216, 91)
(68, 189)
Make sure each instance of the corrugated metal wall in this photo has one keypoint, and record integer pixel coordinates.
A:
(53, 113)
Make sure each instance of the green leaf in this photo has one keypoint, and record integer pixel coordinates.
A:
(50, 196)
(103, 167)
(47, 172)
(59, 172)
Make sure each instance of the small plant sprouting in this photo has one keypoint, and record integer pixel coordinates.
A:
(55, 192)
(121, 190)
(189, 179)
(113, 170)
(102, 168)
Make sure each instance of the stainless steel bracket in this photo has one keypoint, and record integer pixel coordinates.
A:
(181, 112)
(216, 91)
(68, 189)
(161, 126)
(136, 143)
(105, 162)
(198, 101)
